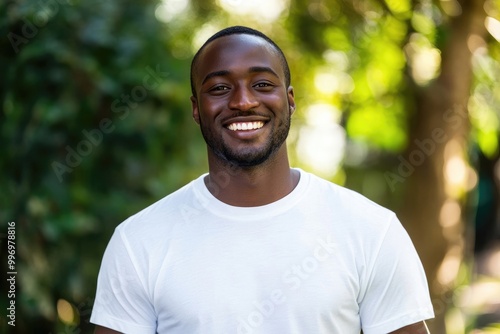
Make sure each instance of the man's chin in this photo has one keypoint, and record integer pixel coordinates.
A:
(249, 160)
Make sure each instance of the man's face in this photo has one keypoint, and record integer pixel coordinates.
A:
(242, 104)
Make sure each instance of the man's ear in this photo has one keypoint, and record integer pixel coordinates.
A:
(291, 99)
(195, 110)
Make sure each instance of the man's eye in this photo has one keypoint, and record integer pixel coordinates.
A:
(263, 85)
(220, 88)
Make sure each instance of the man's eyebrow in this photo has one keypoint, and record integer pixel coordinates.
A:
(263, 69)
(215, 74)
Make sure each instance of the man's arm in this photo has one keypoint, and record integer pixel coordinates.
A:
(104, 330)
(122, 301)
(416, 328)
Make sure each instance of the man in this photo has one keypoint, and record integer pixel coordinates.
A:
(255, 246)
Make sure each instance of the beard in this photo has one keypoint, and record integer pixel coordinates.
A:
(244, 155)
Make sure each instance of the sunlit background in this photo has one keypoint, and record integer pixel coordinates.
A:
(395, 99)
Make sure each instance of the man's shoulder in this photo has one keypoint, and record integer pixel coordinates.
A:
(162, 213)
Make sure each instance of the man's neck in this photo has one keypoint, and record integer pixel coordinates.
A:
(251, 186)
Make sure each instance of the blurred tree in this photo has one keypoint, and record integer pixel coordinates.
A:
(411, 63)
(95, 125)
(434, 198)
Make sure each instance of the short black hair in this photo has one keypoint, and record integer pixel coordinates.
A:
(247, 31)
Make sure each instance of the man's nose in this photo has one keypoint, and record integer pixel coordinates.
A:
(243, 99)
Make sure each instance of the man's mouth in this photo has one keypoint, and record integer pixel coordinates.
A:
(242, 126)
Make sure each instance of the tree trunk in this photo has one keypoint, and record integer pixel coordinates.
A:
(432, 209)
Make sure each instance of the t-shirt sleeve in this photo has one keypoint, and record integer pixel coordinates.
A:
(396, 292)
(122, 302)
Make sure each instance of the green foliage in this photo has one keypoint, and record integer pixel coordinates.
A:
(95, 125)
(484, 104)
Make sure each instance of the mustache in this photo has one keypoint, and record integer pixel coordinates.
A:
(244, 114)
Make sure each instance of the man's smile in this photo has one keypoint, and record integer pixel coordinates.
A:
(237, 126)
(245, 127)
(246, 130)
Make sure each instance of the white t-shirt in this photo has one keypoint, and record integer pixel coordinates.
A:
(323, 259)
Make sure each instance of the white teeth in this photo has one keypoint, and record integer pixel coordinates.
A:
(245, 126)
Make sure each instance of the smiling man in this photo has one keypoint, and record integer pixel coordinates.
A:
(255, 246)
